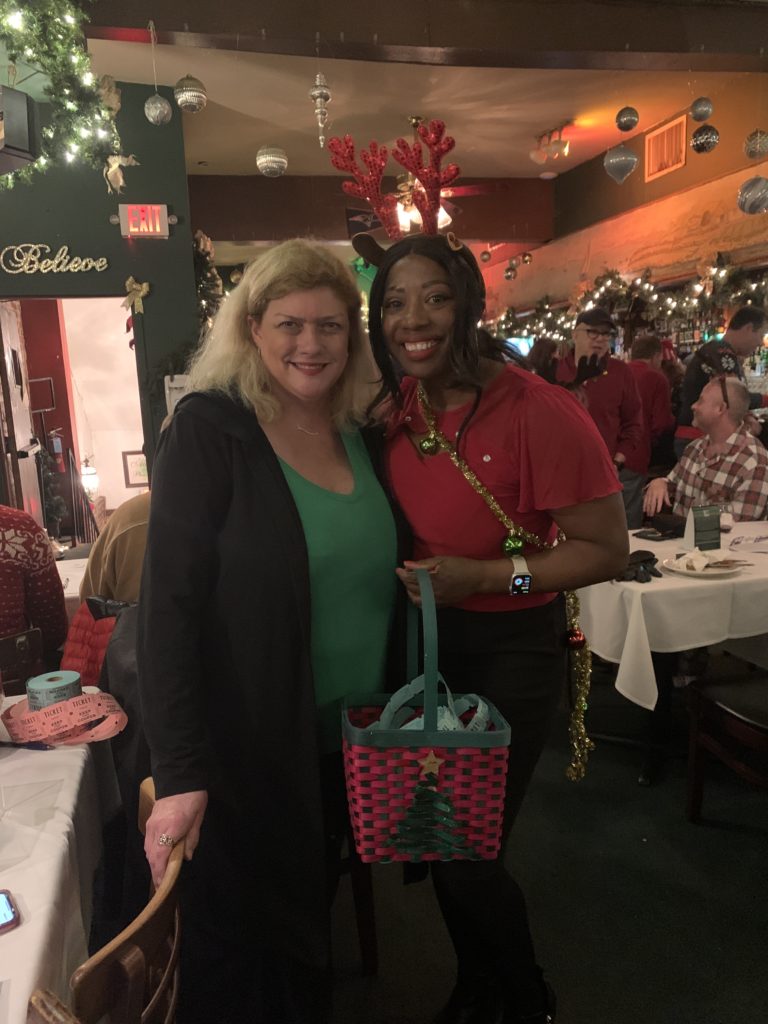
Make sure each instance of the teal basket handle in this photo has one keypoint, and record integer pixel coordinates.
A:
(429, 628)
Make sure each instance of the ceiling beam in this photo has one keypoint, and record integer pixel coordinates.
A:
(600, 35)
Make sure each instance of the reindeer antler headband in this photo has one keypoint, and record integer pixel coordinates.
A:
(429, 175)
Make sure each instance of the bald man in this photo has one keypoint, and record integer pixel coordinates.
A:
(726, 465)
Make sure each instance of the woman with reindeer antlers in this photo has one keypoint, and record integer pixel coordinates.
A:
(490, 464)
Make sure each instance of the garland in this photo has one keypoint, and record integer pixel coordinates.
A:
(704, 298)
(45, 36)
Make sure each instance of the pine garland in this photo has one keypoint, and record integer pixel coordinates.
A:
(46, 36)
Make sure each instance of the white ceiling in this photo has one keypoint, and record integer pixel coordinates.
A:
(494, 113)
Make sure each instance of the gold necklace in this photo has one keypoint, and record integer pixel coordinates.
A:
(578, 648)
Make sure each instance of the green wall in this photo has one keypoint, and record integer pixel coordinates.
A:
(70, 206)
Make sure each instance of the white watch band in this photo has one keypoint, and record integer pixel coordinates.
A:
(519, 564)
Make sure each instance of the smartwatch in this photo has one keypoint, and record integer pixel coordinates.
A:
(521, 579)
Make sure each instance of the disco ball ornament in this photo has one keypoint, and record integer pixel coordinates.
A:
(705, 139)
(619, 163)
(756, 144)
(753, 196)
(272, 161)
(510, 274)
(627, 119)
(190, 94)
(158, 110)
(701, 108)
(485, 255)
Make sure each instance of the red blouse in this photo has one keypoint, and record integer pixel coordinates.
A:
(531, 444)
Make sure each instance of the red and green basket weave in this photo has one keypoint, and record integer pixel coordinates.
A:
(423, 794)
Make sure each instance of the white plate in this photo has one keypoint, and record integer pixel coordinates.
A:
(699, 573)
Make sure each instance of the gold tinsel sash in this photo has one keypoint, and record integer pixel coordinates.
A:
(578, 649)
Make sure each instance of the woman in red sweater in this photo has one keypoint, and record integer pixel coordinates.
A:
(540, 457)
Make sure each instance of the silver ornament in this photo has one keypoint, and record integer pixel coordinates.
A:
(753, 196)
(190, 94)
(272, 161)
(619, 163)
(485, 255)
(756, 144)
(236, 275)
(701, 108)
(158, 110)
(510, 274)
(705, 139)
(627, 119)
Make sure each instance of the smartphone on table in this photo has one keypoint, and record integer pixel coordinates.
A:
(9, 912)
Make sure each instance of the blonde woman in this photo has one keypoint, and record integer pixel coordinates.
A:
(267, 596)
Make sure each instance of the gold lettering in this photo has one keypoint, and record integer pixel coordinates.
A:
(32, 258)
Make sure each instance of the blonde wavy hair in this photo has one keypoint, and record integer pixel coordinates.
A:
(228, 361)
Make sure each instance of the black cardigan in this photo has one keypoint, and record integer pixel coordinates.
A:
(224, 656)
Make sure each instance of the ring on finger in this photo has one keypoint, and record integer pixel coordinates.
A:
(166, 840)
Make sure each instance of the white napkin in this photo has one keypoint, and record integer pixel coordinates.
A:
(695, 561)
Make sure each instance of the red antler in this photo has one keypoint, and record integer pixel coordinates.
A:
(367, 186)
(431, 178)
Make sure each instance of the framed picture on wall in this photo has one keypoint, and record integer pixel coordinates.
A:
(135, 469)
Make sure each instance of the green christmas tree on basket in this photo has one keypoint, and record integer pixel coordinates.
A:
(430, 824)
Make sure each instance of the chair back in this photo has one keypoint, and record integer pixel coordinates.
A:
(21, 657)
(46, 1008)
(134, 978)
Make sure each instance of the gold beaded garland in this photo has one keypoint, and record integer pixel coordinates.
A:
(578, 649)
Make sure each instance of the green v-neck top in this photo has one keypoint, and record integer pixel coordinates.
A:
(352, 548)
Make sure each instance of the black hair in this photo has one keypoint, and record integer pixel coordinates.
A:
(467, 350)
(748, 315)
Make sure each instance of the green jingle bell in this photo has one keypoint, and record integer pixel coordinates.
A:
(512, 545)
(429, 445)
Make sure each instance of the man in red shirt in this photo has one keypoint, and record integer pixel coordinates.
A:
(31, 594)
(655, 396)
(612, 400)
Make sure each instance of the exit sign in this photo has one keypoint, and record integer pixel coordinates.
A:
(143, 220)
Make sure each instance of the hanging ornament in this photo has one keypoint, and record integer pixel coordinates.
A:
(429, 445)
(526, 258)
(190, 94)
(510, 274)
(619, 163)
(756, 144)
(485, 255)
(320, 95)
(701, 108)
(705, 139)
(512, 545)
(157, 109)
(272, 161)
(753, 195)
(627, 119)
(236, 275)
(575, 639)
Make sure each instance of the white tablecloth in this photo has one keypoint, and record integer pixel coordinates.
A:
(71, 571)
(52, 804)
(626, 621)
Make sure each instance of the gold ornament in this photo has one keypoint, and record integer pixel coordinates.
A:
(580, 657)
(136, 292)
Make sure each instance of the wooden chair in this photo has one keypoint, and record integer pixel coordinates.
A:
(728, 718)
(134, 978)
(21, 657)
(365, 911)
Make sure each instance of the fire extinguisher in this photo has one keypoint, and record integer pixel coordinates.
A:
(56, 449)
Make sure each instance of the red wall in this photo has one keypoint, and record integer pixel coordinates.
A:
(45, 340)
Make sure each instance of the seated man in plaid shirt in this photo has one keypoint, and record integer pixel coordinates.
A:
(725, 466)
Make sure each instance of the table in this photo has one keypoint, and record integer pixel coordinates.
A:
(52, 805)
(624, 622)
(71, 571)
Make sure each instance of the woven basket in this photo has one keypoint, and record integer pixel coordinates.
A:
(423, 794)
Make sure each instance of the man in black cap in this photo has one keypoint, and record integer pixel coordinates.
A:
(607, 388)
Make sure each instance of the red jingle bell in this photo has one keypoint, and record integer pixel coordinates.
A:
(576, 639)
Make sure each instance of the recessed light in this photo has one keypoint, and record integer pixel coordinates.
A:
(548, 175)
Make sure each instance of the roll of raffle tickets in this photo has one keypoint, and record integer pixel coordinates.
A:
(52, 688)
